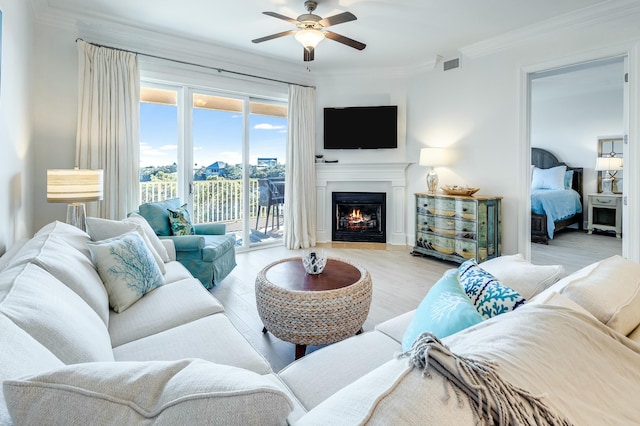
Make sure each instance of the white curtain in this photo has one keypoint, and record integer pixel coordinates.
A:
(300, 180)
(108, 125)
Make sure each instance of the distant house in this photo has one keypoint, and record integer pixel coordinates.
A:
(215, 168)
(266, 162)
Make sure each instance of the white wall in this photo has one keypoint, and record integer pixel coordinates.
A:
(16, 139)
(56, 86)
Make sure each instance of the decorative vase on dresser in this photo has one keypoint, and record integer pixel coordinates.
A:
(457, 228)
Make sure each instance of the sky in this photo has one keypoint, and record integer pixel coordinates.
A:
(217, 136)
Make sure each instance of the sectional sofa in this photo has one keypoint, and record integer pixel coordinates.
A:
(173, 357)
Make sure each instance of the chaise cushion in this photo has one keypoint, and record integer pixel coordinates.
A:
(168, 306)
(157, 214)
(212, 338)
(189, 392)
(53, 315)
(312, 382)
(127, 268)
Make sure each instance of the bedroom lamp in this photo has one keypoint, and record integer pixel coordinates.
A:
(433, 157)
(608, 165)
(74, 186)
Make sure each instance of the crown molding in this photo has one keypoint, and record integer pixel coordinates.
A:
(588, 16)
(125, 36)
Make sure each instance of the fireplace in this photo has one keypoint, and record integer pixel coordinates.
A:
(359, 216)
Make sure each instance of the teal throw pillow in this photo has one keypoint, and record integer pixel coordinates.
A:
(180, 220)
(127, 268)
(446, 309)
(156, 214)
(489, 296)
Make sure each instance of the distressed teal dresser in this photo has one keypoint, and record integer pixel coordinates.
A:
(458, 228)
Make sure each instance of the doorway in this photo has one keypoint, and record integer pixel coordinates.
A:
(571, 108)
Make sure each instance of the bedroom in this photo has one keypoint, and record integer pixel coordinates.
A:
(573, 109)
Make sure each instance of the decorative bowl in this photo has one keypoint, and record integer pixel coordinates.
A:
(314, 261)
(459, 190)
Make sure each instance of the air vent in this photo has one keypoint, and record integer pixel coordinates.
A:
(451, 64)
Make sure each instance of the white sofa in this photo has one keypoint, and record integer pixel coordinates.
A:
(54, 312)
(66, 358)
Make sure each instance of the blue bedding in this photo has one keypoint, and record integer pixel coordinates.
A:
(556, 204)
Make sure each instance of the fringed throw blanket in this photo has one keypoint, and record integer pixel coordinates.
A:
(493, 400)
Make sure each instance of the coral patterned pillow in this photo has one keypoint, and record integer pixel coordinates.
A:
(127, 268)
(180, 220)
(489, 296)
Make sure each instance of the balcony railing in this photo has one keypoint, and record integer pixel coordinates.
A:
(213, 200)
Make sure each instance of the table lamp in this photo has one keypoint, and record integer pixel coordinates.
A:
(608, 165)
(433, 157)
(74, 186)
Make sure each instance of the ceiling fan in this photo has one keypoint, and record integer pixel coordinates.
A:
(311, 29)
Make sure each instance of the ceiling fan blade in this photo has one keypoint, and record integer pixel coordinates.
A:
(308, 54)
(337, 19)
(284, 18)
(345, 40)
(272, 36)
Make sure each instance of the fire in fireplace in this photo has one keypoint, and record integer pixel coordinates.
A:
(359, 216)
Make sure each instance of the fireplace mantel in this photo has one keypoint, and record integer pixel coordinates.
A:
(361, 172)
(378, 177)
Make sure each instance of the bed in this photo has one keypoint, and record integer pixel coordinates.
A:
(554, 210)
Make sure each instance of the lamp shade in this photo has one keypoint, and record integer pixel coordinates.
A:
(73, 185)
(434, 157)
(608, 163)
(309, 38)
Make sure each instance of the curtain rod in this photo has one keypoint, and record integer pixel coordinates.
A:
(193, 64)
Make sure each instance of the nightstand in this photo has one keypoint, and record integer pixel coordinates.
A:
(605, 213)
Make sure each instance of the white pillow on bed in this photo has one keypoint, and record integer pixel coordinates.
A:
(552, 178)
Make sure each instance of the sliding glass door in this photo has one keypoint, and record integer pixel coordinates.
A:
(229, 158)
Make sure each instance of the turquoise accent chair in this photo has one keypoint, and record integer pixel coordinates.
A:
(209, 254)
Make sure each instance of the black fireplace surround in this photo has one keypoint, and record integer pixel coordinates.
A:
(359, 216)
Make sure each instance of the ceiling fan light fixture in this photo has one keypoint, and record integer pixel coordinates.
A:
(309, 37)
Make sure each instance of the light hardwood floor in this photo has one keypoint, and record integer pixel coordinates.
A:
(400, 281)
(575, 249)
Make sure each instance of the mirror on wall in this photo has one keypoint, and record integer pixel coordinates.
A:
(611, 147)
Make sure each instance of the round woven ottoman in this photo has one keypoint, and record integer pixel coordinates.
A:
(307, 309)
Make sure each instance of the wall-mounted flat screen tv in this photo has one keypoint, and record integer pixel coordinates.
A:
(368, 127)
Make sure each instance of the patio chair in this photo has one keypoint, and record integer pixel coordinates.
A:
(271, 194)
